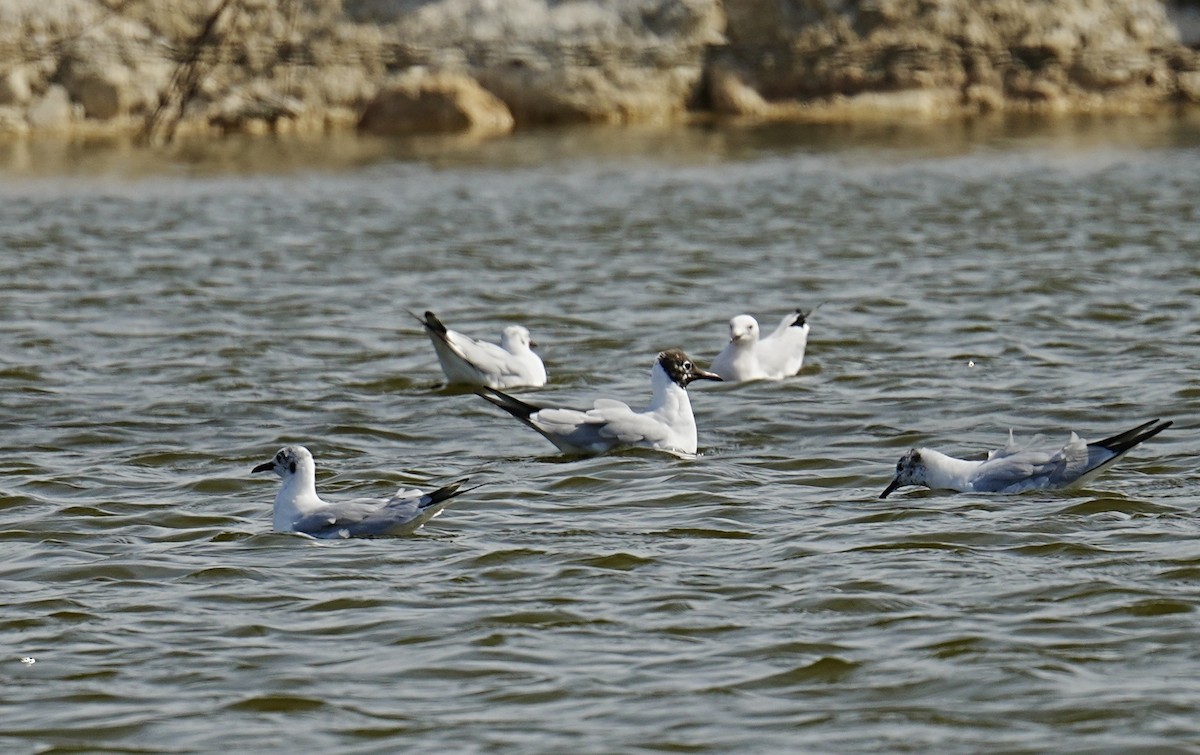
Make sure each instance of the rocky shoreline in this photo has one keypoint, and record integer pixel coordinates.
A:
(162, 68)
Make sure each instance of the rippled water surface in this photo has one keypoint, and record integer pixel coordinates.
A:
(164, 330)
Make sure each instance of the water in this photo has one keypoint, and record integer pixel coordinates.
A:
(167, 326)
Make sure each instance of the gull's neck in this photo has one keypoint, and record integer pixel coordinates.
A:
(512, 342)
(514, 347)
(670, 403)
(745, 358)
(297, 497)
(944, 472)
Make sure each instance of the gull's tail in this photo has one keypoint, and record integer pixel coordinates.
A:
(1122, 442)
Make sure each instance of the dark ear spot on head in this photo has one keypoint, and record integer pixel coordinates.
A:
(292, 467)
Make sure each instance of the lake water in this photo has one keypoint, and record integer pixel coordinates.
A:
(169, 322)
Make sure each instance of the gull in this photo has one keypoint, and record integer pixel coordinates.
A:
(778, 356)
(298, 508)
(467, 361)
(1012, 469)
(667, 423)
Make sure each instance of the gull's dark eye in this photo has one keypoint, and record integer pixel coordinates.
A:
(899, 465)
(687, 366)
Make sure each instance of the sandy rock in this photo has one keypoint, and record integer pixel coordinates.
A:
(731, 94)
(342, 85)
(12, 121)
(542, 94)
(318, 65)
(108, 88)
(104, 91)
(983, 98)
(54, 111)
(14, 86)
(421, 103)
(1189, 86)
(254, 110)
(621, 61)
(997, 53)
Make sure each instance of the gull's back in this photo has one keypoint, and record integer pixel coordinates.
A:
(781, 354)
(472, 362)
(401, 514)
(1012, 470)
(609, 423)
(627, 427)
(468, 361)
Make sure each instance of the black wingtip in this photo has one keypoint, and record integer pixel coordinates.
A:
(432, 322)
(802, 316)
(429, 321)
(446, 492)
(1122, 442)
(510, 404)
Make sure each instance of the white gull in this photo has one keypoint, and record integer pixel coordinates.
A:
(298, 508)
(466, 361)
(778, 356)
(1012, 469)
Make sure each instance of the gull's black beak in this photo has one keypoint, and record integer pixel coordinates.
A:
(895, 483)
(699, 374)
(264, 467)
(532, 344)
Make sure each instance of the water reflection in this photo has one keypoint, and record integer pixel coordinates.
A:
(698, 143)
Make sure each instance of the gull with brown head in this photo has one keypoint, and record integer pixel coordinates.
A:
(667, 423)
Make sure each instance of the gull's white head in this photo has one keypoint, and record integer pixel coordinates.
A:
(515, 340)
(680, 369)
(288, 462)
(910, 470)
(743, 329)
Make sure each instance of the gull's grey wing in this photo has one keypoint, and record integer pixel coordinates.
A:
(465, 359)
(1009, 449)
(485, 357)
(572, 431)
(336, 519)
(782, 353)
(1011, 470)
(400, 514)
(1015, 471)
(796, 319)
(557, 433)
(606, 425)
(618, 421)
